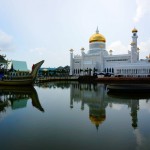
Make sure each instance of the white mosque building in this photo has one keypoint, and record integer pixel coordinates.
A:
(98, 59)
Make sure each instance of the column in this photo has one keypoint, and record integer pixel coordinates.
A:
(71, 62)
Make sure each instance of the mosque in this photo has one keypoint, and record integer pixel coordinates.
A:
(99, 60)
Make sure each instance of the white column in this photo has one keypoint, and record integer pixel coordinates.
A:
(82, 66)
(71, 62)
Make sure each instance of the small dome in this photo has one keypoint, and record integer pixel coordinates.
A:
(134, 30)
(82, 49)
(97, 37)
(132, 43)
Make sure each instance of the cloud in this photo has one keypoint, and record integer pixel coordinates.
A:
(6, 41)
(145, 105)
(144, 48)
(139, 137)
(118, 48)
(117, 106)
(142, 9)
(39, 51)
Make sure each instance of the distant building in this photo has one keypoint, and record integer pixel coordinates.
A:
(17, 68)
(46, 71)
(98, 59)
(59, 71)
(19, 103)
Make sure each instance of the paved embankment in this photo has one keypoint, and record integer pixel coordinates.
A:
(94, 79)
(123, 80)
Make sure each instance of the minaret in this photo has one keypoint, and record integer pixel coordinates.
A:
(134, 48)
(71, 62)
(82, 65)
(82, 51)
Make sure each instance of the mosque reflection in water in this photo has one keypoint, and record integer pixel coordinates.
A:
(97, 99)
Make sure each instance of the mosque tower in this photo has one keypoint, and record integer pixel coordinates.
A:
(134, 48)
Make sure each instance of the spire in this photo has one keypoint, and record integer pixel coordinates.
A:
(134, 30)
(97, 31)
(97, 126)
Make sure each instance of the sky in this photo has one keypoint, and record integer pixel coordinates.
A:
(34, 30)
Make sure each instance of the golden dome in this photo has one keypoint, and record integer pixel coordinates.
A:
(97, 120)
(97, 37)
(134, 30)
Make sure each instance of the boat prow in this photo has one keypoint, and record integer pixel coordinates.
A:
(23, 80)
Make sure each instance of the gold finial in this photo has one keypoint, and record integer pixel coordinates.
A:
(71, 50)
(134, 30)
(110, 51)
(82, 49)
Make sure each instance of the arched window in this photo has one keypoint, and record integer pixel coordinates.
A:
(112, 70)
(78, 71)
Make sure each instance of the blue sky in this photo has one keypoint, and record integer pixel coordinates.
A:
(33, 30)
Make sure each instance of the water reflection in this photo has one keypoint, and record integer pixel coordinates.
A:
(17, 97)
(95, 96)
(56, 84)
(77, 116)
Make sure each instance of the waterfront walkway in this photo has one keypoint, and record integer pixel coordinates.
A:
(95, 79)
(124, 80)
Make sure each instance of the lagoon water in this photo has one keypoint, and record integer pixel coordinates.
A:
(73, 116)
